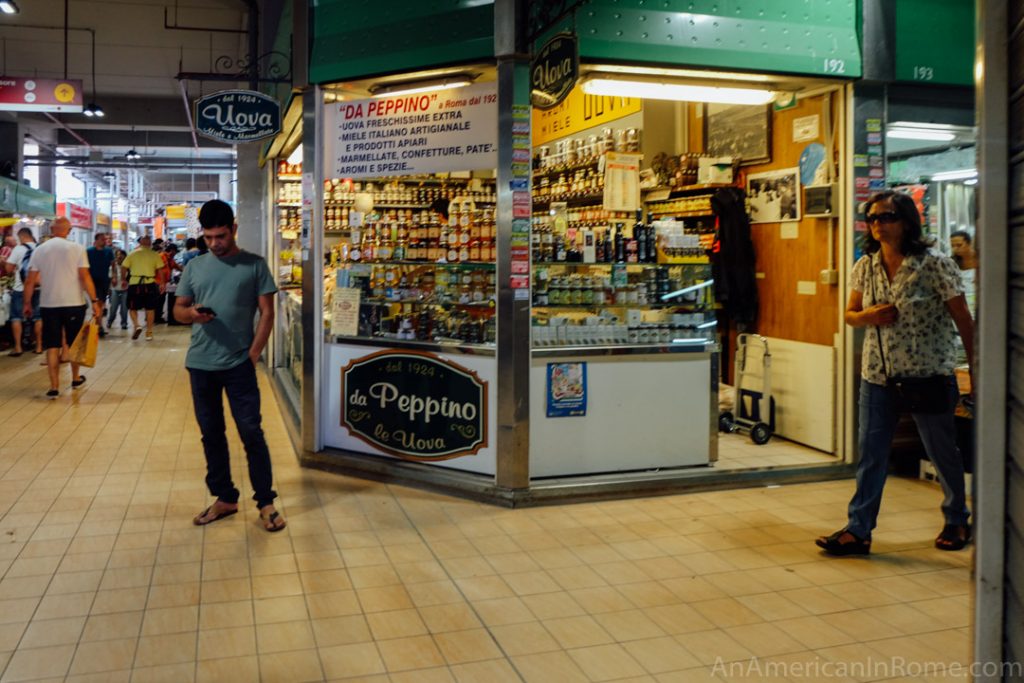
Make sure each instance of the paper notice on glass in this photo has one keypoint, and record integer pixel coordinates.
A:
(345, 311)
(622, 181)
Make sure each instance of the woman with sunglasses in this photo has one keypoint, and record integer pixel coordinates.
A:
(911, 300)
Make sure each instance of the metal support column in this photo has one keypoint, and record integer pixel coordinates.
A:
(312, 269)
(993, 338)
(513, 358)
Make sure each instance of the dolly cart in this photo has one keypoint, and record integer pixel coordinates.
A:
(751, 419)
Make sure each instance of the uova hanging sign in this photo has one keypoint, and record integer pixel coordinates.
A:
(554, 71)
(431, 132)
(237, 116)
(414, 405)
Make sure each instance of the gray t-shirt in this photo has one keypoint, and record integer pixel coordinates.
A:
(231, 287)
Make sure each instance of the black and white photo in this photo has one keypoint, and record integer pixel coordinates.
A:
(774, 197)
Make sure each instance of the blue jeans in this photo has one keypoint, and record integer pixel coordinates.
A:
(878, 420)
(118, 302)
(239, 383)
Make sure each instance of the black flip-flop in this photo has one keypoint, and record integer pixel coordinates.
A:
(15, 354)
(136, 333)
(222, 515)
(75, 383)
(38, 353)
(52, 394)
(273, 520)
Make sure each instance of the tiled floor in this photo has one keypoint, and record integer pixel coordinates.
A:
(736, 451)
(106, 579)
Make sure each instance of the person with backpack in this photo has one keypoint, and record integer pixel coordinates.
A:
(17, 264)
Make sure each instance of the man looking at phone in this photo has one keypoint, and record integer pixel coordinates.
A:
(219, 295)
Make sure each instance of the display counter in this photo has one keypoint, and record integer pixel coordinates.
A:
(643, 407)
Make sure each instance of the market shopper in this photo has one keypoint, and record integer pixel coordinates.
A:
(100, 256)
(143, 291)
(17, 264)
(908, 296)
(219, 295)
(63, 268)
(118, 290)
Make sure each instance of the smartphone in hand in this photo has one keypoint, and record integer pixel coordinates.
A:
(206, 310)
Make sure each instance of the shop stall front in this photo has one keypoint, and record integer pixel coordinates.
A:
(81, 221)
(509, 269)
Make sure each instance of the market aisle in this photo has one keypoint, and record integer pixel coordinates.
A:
(106, 579)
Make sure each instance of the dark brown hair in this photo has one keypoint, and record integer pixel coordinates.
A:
(914, 241)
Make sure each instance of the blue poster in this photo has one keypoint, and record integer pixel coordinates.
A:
(567, 389)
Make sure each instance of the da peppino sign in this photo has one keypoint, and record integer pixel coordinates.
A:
(414, 405)
(554, 71)
(237, 116)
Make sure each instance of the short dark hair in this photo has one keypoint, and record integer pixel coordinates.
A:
(190, 243)
(441, 206)
(962, 234)
(26, 232)
(914, 241)
(171, 246)
(216, 214)
(99, 235)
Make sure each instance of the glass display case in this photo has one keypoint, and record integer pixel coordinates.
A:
(287, 270)
(420, 275)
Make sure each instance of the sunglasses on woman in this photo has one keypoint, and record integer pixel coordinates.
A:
(883, 217)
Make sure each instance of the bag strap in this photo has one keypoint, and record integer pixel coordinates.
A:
(878, 330)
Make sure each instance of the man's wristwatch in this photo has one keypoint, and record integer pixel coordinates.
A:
(95, 301)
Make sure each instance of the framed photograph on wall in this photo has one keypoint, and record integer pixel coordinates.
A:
(738, 130)
(774, 197)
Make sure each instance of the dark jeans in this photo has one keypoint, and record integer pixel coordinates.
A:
(239, 383)
(877, 426)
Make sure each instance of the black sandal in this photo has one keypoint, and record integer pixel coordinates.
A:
(75, 383)
(833, 546)
(197, 520)
(953, 537)
(272, 518)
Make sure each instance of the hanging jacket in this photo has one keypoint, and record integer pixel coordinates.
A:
(732, 259)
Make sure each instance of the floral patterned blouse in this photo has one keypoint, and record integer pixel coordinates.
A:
(922, 341)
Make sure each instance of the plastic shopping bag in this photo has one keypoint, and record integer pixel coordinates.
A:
(83, 349)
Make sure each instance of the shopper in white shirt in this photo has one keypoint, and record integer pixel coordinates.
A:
(64, 269)
(13, 266)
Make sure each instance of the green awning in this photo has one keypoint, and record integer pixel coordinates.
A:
(357, 39)
(935, 41)
(16, 197)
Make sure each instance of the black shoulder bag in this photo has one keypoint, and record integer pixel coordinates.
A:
(928, 395)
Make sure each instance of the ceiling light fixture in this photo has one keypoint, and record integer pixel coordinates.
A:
(680, 92)
(961, 174)
(413, 87)
(92, 109)
(919, 134)
(8, 7)
(132, 155)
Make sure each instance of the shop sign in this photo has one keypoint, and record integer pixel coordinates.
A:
(578, 112)
(40, 94)
(233, 116)
(414, 405)
(432, 132)
(554, 71)
(80, 216)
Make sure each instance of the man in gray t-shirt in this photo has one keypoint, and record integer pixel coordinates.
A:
(219, 294)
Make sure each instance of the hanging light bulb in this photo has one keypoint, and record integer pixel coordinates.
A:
(132, 155)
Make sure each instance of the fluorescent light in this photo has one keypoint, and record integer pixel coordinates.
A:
(710, 323)
(687, 290)
(614, 87)
(919, 134)
(691, 74)
(8, 7)
(971, 181)
(962, 174)
(413, 87)
(296, 156)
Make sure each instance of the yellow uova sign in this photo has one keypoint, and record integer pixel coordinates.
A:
(578, 112)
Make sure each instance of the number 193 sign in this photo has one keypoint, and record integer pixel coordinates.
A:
(414, 405)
